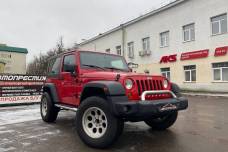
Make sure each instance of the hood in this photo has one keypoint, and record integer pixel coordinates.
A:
(111, 75)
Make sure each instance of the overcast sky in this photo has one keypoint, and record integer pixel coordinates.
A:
(37, 24)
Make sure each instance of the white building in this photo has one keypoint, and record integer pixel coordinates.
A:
(186, 40)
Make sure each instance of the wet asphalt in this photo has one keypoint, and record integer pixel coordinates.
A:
(201, 128)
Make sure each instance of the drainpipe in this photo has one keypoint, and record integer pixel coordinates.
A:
(123, 36)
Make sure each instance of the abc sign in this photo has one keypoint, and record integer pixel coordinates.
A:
(170, 58)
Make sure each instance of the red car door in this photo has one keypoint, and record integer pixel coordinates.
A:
(69, 77)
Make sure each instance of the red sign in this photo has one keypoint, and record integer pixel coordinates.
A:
(195, 55)
(221, 51)
(170, 58)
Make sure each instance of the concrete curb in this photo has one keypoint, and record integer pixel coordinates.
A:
(205, 94)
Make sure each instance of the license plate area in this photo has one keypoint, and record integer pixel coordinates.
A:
(168, 107)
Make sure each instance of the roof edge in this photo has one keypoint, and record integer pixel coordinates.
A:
(163, 8)
(13, 49)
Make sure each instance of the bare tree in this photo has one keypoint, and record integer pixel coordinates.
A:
(59, 46)
(39, 64)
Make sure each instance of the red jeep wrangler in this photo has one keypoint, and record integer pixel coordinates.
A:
(105, 94)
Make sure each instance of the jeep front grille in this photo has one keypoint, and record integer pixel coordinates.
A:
(145, 85)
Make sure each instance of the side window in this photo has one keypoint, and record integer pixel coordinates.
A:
(69, 63)
(56, 66)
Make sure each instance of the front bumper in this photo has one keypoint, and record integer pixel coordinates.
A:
(144, 108)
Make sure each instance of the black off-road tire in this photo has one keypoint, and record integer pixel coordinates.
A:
(164, 122)
(114, 125)
(51, 111)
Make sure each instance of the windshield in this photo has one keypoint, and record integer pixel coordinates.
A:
(102, 61)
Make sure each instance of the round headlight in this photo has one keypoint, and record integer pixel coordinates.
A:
(128, 84)
(165, 84)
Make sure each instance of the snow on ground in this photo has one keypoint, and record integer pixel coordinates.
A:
(20, 114)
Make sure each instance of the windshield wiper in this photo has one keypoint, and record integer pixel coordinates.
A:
(93, 66)
(113, 68)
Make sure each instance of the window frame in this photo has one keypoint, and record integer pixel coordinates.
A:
(166, 72)
(221, 73)
(63, 61)
(50, 72)
(85, 67)
(130, 49)
(147, 44)
(164, 35)
(189, 31)
(220, 25)
(190, 71)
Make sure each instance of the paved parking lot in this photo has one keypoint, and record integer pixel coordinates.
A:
(202, 128)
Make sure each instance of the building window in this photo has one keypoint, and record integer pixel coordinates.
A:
(107, 50)
(118, 50)
(146, 44)
(164, 39)
(166, 72)
(189, 32)
(220, 71)
(130, 48)
(219, 24)
(190, 73)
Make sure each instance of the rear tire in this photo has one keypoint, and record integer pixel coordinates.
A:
(96, 125)
(164, 122)
(48, 111)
